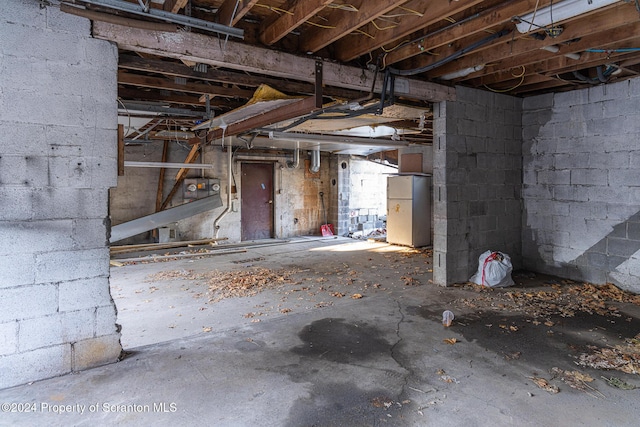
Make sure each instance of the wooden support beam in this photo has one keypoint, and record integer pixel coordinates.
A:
(114, 19)
(129, 62)
(351, 47)
(299, 12)
(287, 112)
(199, 88)
(232, 11)
(344, 22)
(120, 150)
(159, 193)
(238, 56)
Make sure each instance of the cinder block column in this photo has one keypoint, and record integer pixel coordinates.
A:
(58, 133)
(340, 193)
(476, 181)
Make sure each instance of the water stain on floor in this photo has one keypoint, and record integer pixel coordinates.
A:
(337, 404)
(337, 340)
(540, 343)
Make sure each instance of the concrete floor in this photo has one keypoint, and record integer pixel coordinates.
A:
(314, 359)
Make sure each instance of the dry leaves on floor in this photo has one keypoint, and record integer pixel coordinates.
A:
(245, 282)
(170, 275)
(574, 379)
(356, 296)
(625, 358)
(410, 281)
(565, 300)
(544, 384)
(221, 285)
(451, 341)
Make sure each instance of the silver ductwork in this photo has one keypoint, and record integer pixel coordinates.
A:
(315, 161)
(296, 158)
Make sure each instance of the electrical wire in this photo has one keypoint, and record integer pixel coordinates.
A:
(535, 10)
(359, 31)
(382, 28)
(274, 9)
(328, 27)
(346, 7)
(451, 57)
(411, 12)
(522, 77)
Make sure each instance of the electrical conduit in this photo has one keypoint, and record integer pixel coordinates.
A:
(216, 222)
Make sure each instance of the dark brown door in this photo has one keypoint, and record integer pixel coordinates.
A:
(257, 201)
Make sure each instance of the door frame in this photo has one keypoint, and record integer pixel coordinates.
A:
(272, 232)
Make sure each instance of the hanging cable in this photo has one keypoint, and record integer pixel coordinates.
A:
(510, 89)
(451, 57)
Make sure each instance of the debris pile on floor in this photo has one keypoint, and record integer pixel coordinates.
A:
(574, 379)
(544, 384)
(625, 358)
(170, 275)
(564, 301)
(221, 285)
(245, 283)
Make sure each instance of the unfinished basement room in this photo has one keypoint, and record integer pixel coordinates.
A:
(320, 212)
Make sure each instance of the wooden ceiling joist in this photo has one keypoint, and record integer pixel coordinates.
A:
(497, 15)
(345, 22)
(296, 13)
(174, 6)
(523, 51)
(232, 11)
(126, 92)
(199, 88)
(428, 13)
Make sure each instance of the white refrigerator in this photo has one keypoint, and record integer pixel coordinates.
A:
(409, 210)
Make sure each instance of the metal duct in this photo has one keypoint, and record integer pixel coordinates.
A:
(296, 158)
(315, 161)
(165, 217)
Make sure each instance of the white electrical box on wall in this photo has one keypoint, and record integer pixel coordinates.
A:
(197, 188)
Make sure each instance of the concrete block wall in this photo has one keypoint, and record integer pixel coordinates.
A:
(476, 181)
(581, 184)
(57, 161)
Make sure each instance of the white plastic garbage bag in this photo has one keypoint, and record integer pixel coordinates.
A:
(494, 270)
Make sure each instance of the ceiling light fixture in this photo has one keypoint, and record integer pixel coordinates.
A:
(558, 12)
